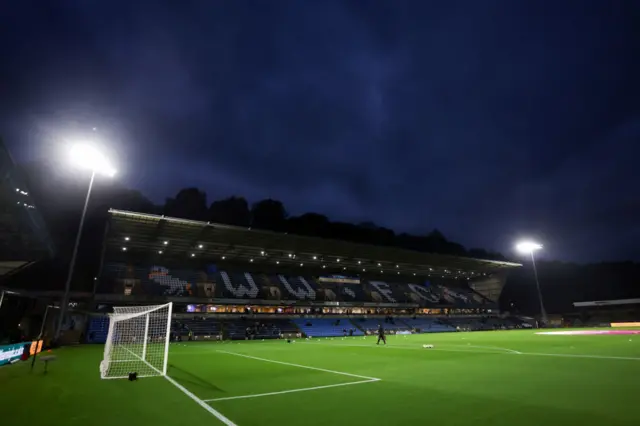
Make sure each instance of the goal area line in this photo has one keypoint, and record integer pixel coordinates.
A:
(187, 392)
(258, 395)
(366, 379)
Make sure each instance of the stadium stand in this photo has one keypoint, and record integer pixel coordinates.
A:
(98, 329)
(156, 280)
(241, 283)
(327, 327)
(259, 329)
(199, 326)
(428, 325)
(371, 324)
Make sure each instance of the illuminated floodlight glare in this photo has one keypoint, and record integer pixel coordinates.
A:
(528, 247)
(88, 157)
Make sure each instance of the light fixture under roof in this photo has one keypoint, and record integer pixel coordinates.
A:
(159, 251)
(290, 255)
(126, 238)
(277, 262)
(397, 266)
(337, 260)
(324, 266)
(359, 262)
(364, 270)
(262, 253)
(398, 272)
(224, 257)
(165, 243)
(302, 264)
(250, 260)
(379, 264)
(193, 255)
(315, 257)
(344, 268)
(124, 249)
(200, 246)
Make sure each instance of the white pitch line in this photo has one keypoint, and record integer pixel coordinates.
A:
(201, 403)
(301, 366)
(621, 358)
(291, 391)
(184, 390)
(489, 347)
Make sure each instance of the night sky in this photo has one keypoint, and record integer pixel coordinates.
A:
(489, 120)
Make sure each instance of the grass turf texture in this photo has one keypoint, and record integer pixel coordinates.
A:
(498, 378)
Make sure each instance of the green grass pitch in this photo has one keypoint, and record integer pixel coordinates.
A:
(484, 378)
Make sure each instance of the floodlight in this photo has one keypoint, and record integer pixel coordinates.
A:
(88, 157)
(528, 247)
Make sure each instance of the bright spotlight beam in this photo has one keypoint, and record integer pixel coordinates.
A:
(88, 157)
(85, 157)
(530, 247)
(527, 247)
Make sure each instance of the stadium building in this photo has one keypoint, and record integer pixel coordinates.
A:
(224, 279)
(24, 241)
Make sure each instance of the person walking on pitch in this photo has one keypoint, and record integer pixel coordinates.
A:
(381, 335)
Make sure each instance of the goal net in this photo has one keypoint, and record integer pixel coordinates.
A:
(138, 342)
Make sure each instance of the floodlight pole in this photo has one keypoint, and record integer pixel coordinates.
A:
(41, 335)
(535, 274)
(67, 285)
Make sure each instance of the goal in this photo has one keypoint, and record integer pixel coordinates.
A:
(138, 342)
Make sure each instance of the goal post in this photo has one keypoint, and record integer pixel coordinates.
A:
(137, 342)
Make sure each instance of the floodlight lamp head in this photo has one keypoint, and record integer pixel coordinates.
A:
(88, 157)
(528, 247)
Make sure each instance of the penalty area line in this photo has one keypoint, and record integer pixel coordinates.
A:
(371, 379)
(257, 395)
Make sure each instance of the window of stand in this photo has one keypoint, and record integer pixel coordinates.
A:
(328, 310)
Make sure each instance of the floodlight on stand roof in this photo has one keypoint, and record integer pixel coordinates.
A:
(88, 157)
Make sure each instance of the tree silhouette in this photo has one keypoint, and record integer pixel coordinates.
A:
(310, 224)
(269, 214)
(190, 203)
(230, 211)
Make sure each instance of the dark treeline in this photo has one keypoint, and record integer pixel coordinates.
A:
(269, 214)
(61, 202)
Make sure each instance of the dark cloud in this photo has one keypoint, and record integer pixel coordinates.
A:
(489, 120)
